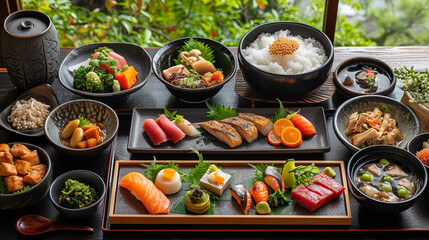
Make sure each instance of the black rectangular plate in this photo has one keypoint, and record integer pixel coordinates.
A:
(139, 141)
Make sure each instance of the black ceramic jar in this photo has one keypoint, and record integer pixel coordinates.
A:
(30, 48)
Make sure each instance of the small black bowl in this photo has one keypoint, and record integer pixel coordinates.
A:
(42, 93)
(36, 192)
(224, 60)
(82, 176)
(135, 56)
(71, 110)
(406, 119)
(282, 85)
(354, 63)
(415, 144)
(394, 154)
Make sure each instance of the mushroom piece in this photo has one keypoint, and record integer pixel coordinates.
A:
(194, 53)
(360, 138)
(190, 60)
(373, 169)
(202, 67)
(395, 170)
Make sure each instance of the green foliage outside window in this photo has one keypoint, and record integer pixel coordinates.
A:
(152, 23)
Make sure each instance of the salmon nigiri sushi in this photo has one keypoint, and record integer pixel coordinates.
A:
(240, 193)
(173, 132)
(274, 179)
(145, 191)
(259, 192)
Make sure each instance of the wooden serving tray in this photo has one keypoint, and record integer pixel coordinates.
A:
(126, 209)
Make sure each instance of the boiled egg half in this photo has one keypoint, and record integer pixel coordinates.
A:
(168, 181)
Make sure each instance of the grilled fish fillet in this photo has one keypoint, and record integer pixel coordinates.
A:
(246, 129)
(263, 124)
(222, 131)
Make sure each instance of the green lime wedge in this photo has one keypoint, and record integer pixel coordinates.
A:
(289, 178)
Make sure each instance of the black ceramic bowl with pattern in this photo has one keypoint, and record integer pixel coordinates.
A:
(83, 176)
(36, 192)
(285, 86)
(392, 154)
(407, 121)
(416, 144)
(224, 60)
(134, 54)
(68, 111)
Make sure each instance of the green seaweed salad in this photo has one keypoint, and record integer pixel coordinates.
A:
(77, 195)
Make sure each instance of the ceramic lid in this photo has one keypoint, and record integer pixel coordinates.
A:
(27, 24)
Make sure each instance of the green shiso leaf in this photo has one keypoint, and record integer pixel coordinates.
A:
(83, 121)
(153, 169)
(281, 113)
(219, 112)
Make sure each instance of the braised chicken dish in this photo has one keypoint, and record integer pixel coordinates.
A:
(373, 128)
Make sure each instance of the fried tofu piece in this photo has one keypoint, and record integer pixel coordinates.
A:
(6, 157)
(23, 167)
(33, 178)
(4, 147)
(32, 158)
(7, 169)
(41, 168)
(18, 150)
(14, 183)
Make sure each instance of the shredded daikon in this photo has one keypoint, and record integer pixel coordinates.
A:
(28, 114)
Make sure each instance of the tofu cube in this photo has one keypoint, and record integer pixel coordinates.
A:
(18, 150)
(7, 169)
(6, 157)
(214, 187)
(31, 157)
(14, 183)
(40, 168)
(23, 167)
(33, 178)
(4, 147)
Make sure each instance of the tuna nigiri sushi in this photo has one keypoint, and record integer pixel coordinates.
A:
(274, 179)
(156, 135)
(222, 131)
(171, 130)
(259, 192)
(240, 193)
(263, 124)
(145, 190)
(246, 129)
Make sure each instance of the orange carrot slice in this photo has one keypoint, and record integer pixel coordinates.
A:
(92, 142)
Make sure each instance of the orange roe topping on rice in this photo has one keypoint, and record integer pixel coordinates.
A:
(283, 46)
(423, 155)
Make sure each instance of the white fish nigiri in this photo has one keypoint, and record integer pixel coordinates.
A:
(186, 126)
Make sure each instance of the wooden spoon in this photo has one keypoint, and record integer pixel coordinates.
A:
(35, 224)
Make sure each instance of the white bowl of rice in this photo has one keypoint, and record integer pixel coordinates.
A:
(285, 59)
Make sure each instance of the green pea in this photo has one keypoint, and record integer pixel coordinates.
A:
(402, 192)
(365, 177)
(386, 179)
(384, 161)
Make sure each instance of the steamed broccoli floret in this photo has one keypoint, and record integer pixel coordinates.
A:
(93, 83)
(107, 79)
(99, 70)
(80, 77)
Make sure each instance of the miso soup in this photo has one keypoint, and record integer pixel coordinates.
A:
(386, 181)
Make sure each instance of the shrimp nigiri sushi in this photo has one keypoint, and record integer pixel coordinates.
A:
(274, 179)
(259, 192)
(263, 124)
(145, 191)
(173, 132)
(240, 193)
